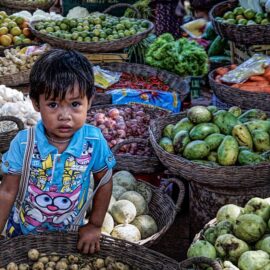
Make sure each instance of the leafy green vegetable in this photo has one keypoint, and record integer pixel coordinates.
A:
(183, 56)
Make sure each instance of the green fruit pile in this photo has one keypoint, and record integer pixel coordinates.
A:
(212, 137)
(242, 16)
(97, 27)
(240, 238)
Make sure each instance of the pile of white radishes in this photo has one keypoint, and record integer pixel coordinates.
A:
(121, 123)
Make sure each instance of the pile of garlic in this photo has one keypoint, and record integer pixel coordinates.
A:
(13, 103)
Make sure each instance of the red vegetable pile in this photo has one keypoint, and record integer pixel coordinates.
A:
(137, 82)
(120, 123)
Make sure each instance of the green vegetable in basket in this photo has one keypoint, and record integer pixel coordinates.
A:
(196, 150)
(225, 121)
(247, 157)
(254, 125)
(228, 212)
(261, 140)
(252, 114)
(214, 140)
(199, 114)
(202, 130)
(236, 111)
(217, 47)
(168, 131)
(254, 260)
(249, 227)
(259, 207)
(242, 135)
(228, 151)
(166, 144)
(212, 156)
(183, 124)
(180, 141)
(201, 248)
(249, 14)
(230, 247)
(212, 109)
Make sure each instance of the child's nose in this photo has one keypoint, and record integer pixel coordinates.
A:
(64, 114)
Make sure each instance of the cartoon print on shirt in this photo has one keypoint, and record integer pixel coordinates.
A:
(53, 207)
(74, 167)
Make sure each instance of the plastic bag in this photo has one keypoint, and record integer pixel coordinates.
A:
(165, 100)
(254, 66)
(105, 78)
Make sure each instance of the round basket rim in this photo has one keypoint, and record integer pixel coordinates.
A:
(234, 89)
(92, 45)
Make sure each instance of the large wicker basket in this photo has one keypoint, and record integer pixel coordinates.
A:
(135, 164)
(218, 177)
(176, 83)
(26, 5)
(15, 250)
(163, 209)
(238, 97)
(94, 47)
(6, 137)
(241, 34)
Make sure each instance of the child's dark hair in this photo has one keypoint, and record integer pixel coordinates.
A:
(58, 71)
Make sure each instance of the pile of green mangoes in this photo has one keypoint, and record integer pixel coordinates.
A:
(213, 137)
(244, 16)
(97, 27)
(240, 237)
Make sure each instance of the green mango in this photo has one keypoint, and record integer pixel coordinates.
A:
(214, 140)
(225, 121)
(252, 114)
(201, 248)
(261, 140)
(196, 150)
(166, 144)
(247, 157)
(201, 131)
(228, 151)
(183, 124)
(258, 125)
(180, 141)
(236, 111)
(254, 260)
(168, 131)
(212, 156)
(199, 114)
(242, 135)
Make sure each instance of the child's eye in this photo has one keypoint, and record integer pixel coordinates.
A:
(75, 104)
(52, 105)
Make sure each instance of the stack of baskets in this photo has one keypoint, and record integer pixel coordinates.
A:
(246, 35)
(15, 250)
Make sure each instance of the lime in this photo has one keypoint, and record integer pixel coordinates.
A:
(238, 11)
(97, 21)
(26, 40)
(11, 25)
(63, 26)
(57, 28)
(3, 14)
(110, 37)
(132, 31)
(43, 31)
(58, 23)
(3, 30)
(17, 40)
(230, 21)
(251, 22)
(102, 34)
(108, 31)
(49, 29)
(84, 34)
(121, 35)
(120, 27)
(249, 14)
(228, 15)
(115, 36)
(79, 28)
(75, 35)
(264, 22)
(86, 28)
(95, 39)
(15, 31)
(73, 23)
(102, 17)
(242, 21)
(19, 20)
(96, 32)
(80, 39)
(98, 26)
(127, 33)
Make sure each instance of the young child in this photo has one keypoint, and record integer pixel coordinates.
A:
(46, 183)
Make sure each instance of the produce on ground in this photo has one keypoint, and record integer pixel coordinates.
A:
(35, 260)
(128, 80)
(255, 83)
(14, 30)
(127, 122)
(212, 137)
(251, 13)
(183, 57)
(20, 59)
(239, 238)
(97, 27)
(13, 103)
(127, 217)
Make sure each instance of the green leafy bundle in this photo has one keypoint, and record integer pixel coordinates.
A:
(183, 57)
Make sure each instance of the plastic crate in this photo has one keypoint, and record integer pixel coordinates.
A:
(240, 53)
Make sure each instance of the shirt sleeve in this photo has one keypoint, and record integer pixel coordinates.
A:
(104, 158)
(12, 160)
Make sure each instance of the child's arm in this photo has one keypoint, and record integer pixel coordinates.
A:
(8, 191)
(89, 235)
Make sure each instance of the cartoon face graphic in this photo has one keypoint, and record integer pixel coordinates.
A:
(85, 158)
(53, 203)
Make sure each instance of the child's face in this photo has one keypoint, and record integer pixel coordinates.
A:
(62, 118)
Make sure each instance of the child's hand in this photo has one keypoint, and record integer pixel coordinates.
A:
(89, 237)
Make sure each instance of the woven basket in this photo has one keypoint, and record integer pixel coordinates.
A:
(241, 34)
(26, 5)
(94, 47)
(15, 79)
(135, 164)
(218, 177)
(163, 209)
(7, 137)
(176, 83)
(238, 97)
(15, 250)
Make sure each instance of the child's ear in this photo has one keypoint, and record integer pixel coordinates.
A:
(35, 105)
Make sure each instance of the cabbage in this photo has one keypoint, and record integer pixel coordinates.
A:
(228, 212)
(201, 248)
(117, 191)
(144, 190)
(126, 232)
(124, 179)
(146, 225)
(253, 260)
(123, 211)
(77, 12)
(259, 207)
(108, 224)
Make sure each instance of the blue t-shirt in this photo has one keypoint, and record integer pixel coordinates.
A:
(58, 184)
